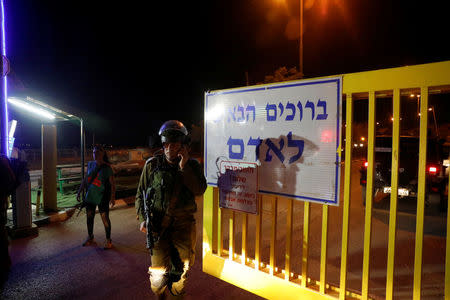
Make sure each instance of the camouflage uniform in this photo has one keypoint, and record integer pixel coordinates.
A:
(173, 254)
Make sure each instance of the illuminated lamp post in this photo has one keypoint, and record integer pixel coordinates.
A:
(4, 65)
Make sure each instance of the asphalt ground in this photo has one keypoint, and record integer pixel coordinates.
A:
(54, 265)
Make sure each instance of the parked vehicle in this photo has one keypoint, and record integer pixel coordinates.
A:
(436, 168)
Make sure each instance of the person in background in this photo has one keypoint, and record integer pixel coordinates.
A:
(100, 191)
(165, 204)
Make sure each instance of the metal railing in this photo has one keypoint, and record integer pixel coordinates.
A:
(259, 255)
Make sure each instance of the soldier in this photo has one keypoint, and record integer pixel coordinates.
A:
(165, 204)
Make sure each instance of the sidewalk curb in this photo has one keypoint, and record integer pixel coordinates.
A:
(435, 225)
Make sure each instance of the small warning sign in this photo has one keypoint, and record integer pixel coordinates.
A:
(238, 186)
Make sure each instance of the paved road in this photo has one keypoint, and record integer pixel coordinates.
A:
(54, 265)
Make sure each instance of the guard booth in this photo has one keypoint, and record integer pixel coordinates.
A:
(281, 236)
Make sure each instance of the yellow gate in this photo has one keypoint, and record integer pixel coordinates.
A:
(298, 250)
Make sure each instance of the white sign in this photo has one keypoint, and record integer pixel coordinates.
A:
(238, 186)
(290, 130)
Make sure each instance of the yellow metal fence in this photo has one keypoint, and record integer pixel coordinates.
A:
(271, 254)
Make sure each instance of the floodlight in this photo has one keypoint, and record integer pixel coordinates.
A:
(215, 113)
(12, 128)
(31, 108)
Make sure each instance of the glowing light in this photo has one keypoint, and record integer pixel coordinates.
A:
(430, 109)
(361, 145)
(363, 138)
(32, 109)
(327, 136)
(215, 113)
(432, 170)
(366, 164)
(3, 30)
(446, 163)
(12, 129)
(4, 82)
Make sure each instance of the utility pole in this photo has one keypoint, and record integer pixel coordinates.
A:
(301, 41)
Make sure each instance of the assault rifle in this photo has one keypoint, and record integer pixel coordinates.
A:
(148, 209)
(158, 223)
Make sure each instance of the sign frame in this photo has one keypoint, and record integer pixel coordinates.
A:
(338, 129)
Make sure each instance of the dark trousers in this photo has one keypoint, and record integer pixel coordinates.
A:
(104, 213)
(173, 256)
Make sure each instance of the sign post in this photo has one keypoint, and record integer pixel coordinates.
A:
(290, 131)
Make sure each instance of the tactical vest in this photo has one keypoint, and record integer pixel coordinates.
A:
(160, 190)
(165, 184)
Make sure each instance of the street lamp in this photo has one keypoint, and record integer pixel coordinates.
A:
(301, 40)
(435, 122)
(31, 108)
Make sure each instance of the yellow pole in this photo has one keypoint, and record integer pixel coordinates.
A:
(323, 253)
(273, 236)
(231, 236)
(417, 285)
(289, 224)
(258, 237)
(306, 214)
(215, 220)
(244, 237)
(347, 186)
(208, 216)
(369, 196)
(394, 194)
(219, 233)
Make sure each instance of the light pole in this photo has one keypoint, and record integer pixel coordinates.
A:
(3, 88)
(301, 41)
(435, 122)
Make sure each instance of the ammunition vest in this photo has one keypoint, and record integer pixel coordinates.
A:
(164, 179)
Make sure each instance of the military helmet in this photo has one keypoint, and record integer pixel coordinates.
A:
(173, 131)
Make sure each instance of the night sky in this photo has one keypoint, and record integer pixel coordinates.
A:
(126, 67)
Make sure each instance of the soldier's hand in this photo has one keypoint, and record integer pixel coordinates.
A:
(143, 227)
(183, 154)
